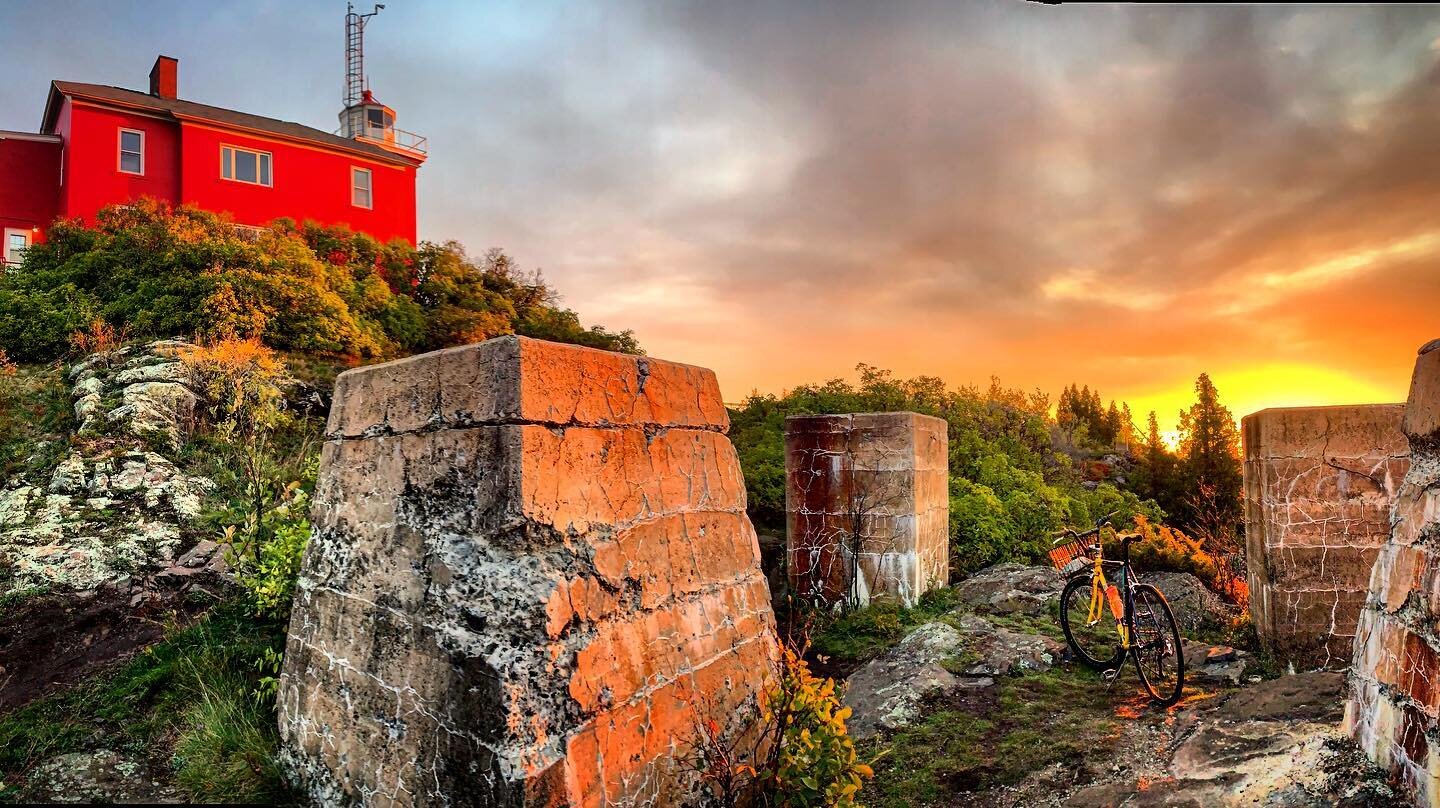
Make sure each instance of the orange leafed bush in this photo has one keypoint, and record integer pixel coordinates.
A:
(1162, 547)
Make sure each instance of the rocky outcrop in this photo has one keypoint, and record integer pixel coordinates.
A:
(867, 506)
(1395, 696)
(115, 506)
(1318, 484)
(1194, 605)
(531, 581)
(100, 777)
(1011, 588)
(99, 552)
(1270, 744)
(965, 651)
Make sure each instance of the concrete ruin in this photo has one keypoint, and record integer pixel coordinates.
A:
(1394, 706)
(1318, 485)
(867, 506)
(531, 583)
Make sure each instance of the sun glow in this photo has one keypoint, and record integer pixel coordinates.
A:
(1248, 390)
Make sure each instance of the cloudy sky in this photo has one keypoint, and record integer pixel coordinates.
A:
(1120, 196)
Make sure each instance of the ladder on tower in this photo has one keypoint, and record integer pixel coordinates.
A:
(354, 56)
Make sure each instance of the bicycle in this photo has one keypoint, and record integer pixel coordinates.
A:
(1145, 628)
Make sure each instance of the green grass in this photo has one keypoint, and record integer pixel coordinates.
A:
(1047, 624)
(185, 704)
(861, 634)
(1028, 723)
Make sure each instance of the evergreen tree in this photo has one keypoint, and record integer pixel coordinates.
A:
(1210, 470)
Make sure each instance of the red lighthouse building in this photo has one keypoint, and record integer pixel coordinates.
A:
(100, 145)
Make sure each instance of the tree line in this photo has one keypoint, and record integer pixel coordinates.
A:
(1016, 465)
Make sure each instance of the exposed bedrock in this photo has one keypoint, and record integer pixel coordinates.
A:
(1395, 681)
(1318, 487)
(531, 580)
(867, 505)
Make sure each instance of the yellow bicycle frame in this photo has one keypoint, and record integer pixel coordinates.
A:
(1098, 589)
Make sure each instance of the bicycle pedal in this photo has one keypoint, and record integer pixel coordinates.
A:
(1109, 676)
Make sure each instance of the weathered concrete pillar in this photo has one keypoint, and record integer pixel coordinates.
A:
(1318, 483)
(531, 579)
(867, 503)
(1394, 708)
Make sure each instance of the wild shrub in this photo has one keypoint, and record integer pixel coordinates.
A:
(267, 565)
(242, 383)
(162, 272)
(1162, 548)
(798, 753)
(98, 337)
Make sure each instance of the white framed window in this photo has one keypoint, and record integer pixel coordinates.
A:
(17, 241)
(361, 194)
(132, 152)
(245, 165)
(249, 232)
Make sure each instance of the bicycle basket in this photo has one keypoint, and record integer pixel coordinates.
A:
(1064, 556)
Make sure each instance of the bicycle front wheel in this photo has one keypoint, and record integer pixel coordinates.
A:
(1096, 644)
(1159, 653)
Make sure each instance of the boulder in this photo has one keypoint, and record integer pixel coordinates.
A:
(995, 651)
(173, 372)
(1011, 588)
(101, 776)
(966, 651)
(888, 691)
(1194, 605)
(166, 408)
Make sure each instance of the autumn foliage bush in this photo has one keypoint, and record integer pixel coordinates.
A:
(797, 754)
(1162, 548)
(156, 271)
(242, 384)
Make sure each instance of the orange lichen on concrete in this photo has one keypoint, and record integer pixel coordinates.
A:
(532, 575)
(1318, 485)
(1394, 707)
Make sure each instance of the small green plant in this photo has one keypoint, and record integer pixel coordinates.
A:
(267, 565)
(269, 667)
(814, 763)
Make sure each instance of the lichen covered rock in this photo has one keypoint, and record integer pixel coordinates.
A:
(1011, 588)
(531, 579)
(114, 505)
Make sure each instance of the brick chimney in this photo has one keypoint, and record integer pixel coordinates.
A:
(165, 77)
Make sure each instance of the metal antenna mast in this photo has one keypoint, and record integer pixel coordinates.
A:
(355, 52)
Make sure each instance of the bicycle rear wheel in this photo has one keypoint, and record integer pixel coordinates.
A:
(1096, 645)
(1159, 653)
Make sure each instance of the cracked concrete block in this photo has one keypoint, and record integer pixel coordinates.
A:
(867, 505)
(531, 579)
(1394, 707)
(1318, 486)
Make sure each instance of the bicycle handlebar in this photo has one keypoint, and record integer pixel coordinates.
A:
(1070, 534)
